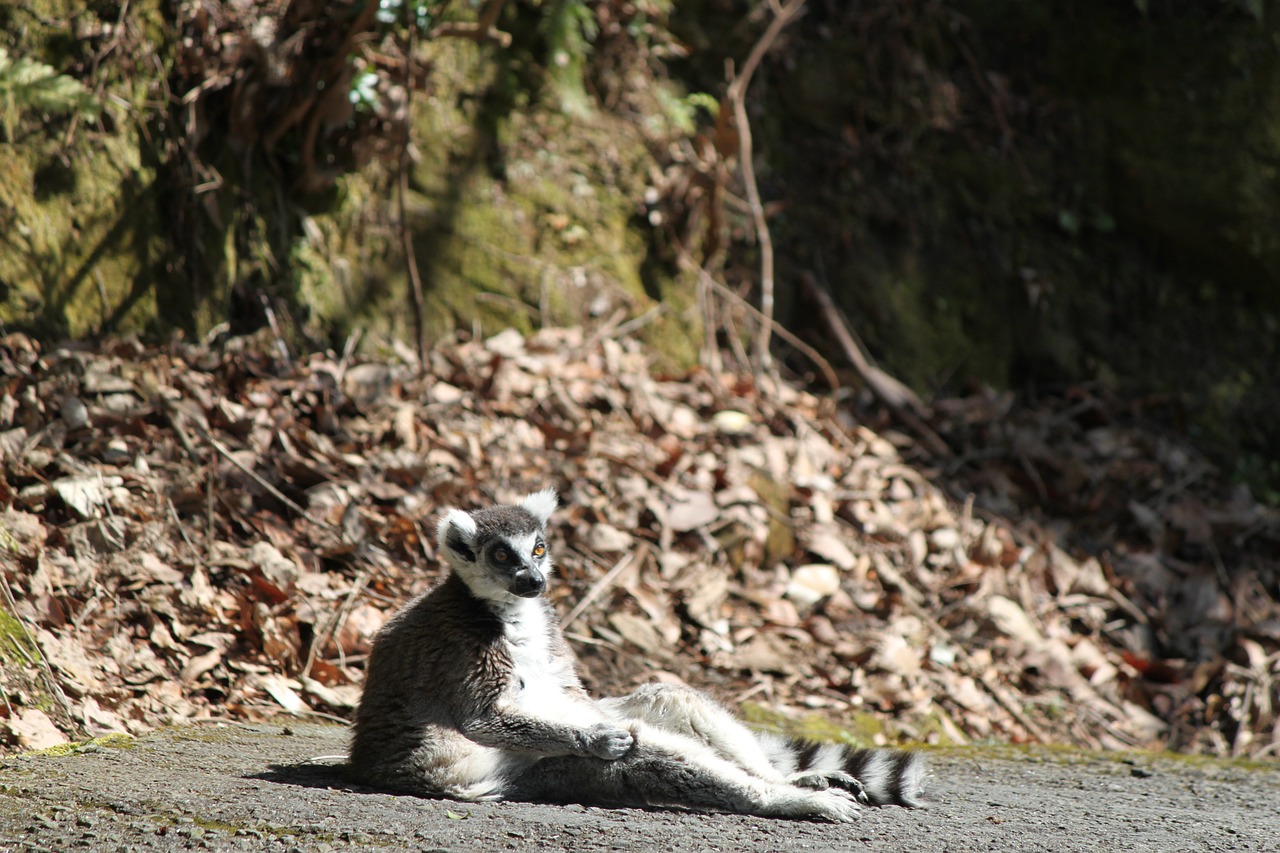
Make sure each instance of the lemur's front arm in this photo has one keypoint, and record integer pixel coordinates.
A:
(511, 729)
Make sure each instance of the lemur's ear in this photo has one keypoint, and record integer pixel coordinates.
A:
(456, 534)
(541, 504)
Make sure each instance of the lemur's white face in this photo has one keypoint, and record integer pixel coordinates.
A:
(500, 552)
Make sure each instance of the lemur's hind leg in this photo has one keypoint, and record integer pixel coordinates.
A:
(694, 714)
(668, 769)
(877, 776)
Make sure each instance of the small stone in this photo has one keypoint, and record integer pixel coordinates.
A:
(730, 422)
(117, 452)
(812, 583)
(944, 539)
(443, 392)
(74, 413)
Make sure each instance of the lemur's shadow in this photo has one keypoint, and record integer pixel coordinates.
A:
(313, 774)
(333, 777)
(329, 776)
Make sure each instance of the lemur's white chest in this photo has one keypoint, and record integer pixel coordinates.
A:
(541, 679)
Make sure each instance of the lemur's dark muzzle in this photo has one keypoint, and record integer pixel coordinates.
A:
(528, 583)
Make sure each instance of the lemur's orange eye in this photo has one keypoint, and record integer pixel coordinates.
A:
(501, 555)
(539, 549)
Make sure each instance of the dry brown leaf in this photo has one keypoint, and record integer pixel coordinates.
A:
(691, 510)
(638, 631)
(811, 583)
(86, 494)
(31, 729)
(827, 542)
(1012, 621)
(640, 458)
(767, 652)
(705, 589)
(99, 721)
(284, 691)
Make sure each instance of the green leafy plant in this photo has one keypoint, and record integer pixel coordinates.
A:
(27, 86)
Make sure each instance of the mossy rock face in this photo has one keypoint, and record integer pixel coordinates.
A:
(1030, 195)
(84, 241)
(520, 214)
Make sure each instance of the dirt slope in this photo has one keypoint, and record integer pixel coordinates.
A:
(250, 787)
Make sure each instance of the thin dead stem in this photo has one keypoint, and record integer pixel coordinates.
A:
(406, 240)
(46, 671)
(481, 31)
(738, 98)
(709, 282)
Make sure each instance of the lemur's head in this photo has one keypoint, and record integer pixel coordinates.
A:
(500, 551)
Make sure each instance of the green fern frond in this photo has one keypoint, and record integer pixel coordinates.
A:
(33, 86)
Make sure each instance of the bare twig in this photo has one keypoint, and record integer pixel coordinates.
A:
(622, 330)
(406, 240)
(900, 399)
(782, 331)
(182, 530)
(332, 627)
(481, 31)
(281, 347)
(737, 96)
(46, 671)
(176, 416)
(1010, 703)
(636, 557)
(226, 453)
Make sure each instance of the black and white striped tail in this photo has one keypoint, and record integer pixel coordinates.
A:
(890, 777)
(881, 777)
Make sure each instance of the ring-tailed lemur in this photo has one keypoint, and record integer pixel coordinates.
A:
(471, 692)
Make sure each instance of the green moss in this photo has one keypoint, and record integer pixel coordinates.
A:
(114, 740)
(1120, 761)
(862, 729)
(15, 643)
(82, 236)
(519, 217)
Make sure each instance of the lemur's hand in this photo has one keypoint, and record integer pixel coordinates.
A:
(608, 742)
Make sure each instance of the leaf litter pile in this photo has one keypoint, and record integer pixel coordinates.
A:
(189, 532)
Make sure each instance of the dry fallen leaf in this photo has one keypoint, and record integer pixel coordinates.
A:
(1073, 562)
(32, 729)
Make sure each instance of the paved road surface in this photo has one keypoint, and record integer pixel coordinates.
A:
(235, 787)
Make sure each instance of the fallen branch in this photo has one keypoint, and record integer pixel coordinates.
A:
(900, 399)
(833, 381)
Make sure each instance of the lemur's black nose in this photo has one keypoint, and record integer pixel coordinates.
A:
(528, 583)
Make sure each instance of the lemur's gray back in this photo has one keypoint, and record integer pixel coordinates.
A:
(415, 683)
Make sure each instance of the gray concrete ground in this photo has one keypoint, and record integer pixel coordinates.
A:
(237, 787)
